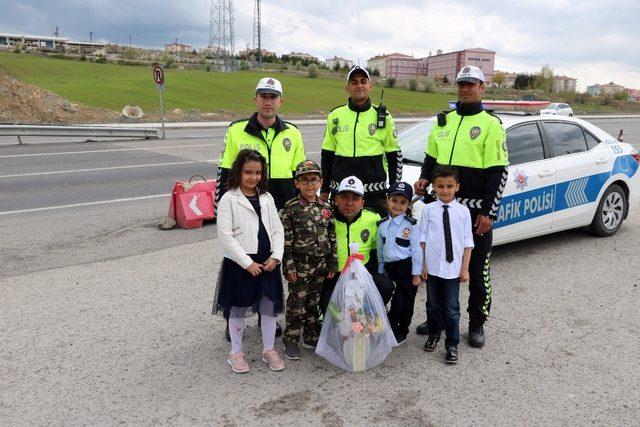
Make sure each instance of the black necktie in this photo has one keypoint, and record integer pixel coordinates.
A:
(447, 233)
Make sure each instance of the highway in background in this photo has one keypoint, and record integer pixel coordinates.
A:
(67, 203)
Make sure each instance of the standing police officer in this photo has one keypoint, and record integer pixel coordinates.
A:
(361, 139)
(472, 140)
(278, 141)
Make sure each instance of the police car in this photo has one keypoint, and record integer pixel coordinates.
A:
(563, 173)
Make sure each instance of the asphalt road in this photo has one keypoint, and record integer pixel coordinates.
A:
(105, 318)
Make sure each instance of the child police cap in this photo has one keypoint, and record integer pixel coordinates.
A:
(357, 69)
(471, 74)
(307, 166)
(351, 184)
(269, 85)
(403, 188)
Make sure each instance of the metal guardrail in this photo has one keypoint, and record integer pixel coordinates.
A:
(77, 131)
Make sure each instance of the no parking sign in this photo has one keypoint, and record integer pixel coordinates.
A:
(158, 77)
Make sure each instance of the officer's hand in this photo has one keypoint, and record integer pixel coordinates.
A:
(464, 276)
(331, 275)
(324, 196)
(416, 280)
(483, 224)
(254, 269)
(425, 275)
(420, 186)
(270, 264)
(292, 277)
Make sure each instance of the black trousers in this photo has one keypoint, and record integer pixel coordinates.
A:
(384, 284)
(404, 296)
(480, 278)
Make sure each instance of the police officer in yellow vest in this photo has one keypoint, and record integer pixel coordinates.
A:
(278, 141)
(355, 223)
(360, 138)
(474, 141)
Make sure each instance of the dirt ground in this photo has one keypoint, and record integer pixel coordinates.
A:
(22, 103)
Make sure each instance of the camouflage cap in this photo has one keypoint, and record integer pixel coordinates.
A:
(307, 166)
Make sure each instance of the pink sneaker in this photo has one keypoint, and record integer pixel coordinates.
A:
(272, 358)
(238, 363)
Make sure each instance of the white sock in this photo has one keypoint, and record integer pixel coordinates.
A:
(236, 328)
(268, 327)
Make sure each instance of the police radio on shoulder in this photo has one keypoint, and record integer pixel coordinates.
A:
(382, 113)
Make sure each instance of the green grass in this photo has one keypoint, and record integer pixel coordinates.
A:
(114, 86)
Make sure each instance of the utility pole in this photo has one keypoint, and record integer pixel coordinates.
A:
(221, 38)
(129, 41)
(257, 30)
(91, 36)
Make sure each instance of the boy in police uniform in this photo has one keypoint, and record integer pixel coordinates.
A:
(309, 256)
(400, 256)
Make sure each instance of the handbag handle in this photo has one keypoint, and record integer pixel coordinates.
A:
(194, 176)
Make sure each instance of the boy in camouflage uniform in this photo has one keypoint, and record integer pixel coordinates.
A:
(309, 256)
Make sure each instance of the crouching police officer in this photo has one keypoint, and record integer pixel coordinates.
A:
(361, 137)
(474, 141)
(355, 223)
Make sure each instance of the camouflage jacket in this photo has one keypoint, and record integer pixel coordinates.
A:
(309, 233)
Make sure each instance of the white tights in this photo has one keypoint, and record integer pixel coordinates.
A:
(268, 325)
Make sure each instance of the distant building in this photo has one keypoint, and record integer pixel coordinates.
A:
(634, 95)
(564, 84)
(303, 56)
(178, 48)
(437, 67)
(609, 89)
(248, 53)
(509, 78)
(331, 62)
(63, 44)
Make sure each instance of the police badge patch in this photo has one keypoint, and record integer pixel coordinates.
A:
(475, 132)
(395, 133)
(286, 142)
(364, 235)
(372, 128)
(406, 233)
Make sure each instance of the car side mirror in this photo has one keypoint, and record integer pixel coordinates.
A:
(621, 135)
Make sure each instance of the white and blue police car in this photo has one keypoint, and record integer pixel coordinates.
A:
(564, 173)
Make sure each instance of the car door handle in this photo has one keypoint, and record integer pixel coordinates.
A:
(602, 161)
(545, 174)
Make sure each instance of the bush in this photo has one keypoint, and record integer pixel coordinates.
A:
(445, 80)
(621, 96)
(390, 82)
(169, 61)
(298, 66)
(312, 71)
(100, 59)
(83, 57)
(17, 50)
(244, 66)
(429, 85)
(413, 85)
(375, 72)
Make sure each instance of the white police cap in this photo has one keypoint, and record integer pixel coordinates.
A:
(351, 184)
(269, 85)
(471, 74)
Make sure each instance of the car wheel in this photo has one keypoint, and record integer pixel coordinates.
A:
(611, 212)
(570, 114)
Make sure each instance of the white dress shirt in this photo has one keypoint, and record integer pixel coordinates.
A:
(432, 234)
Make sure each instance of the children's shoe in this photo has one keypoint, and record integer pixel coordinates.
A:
(452, 356)
(431, 343)
(238, 363)
(311, 345)
(272, 358)
(291, 351)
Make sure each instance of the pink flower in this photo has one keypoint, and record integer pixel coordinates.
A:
(326, 213)
(357, 327)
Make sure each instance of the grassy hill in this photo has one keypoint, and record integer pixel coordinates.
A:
(112, 86)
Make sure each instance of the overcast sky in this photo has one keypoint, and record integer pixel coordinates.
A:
(593, 41)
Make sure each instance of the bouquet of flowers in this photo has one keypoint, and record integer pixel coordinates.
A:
(356, 334)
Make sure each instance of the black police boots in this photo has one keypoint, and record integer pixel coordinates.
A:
(422, 328)
(476, 336)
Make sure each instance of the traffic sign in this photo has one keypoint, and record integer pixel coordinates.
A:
(158, 74)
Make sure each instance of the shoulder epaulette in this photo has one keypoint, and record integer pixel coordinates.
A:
(238, 121)
(381, 221)
(411, 219)
(492, 113)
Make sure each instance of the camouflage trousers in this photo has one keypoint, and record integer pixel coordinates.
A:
(301, 307)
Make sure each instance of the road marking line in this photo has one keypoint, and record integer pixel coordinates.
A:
(76, 205)
(20, 175)
(62, 153)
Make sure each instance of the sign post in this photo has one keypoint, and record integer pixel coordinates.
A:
(158, 77)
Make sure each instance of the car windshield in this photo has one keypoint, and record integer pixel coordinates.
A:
(552, 106)
(413, 140)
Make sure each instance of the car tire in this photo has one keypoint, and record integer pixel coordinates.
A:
(570, 114)
(611, 212)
